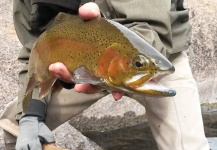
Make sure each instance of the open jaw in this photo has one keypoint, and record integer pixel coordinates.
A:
(154, 88)
(151, 86)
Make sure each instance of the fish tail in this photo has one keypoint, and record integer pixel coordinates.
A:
(26, 100)
(32, 83)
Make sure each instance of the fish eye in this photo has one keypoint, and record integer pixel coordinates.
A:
(140, 62)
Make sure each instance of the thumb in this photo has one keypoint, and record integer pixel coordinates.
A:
(45, 135)
(89, 11)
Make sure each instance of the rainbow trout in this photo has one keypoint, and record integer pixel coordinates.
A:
(100, 52)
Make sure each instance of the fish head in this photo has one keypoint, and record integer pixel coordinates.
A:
(136, 73)
(145, 75)
(141, 71)
(139, 74)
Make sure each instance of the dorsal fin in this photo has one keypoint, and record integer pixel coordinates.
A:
(62, 17)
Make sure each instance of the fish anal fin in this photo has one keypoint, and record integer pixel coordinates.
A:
(84, 75)
(46, 85)
(57, 87)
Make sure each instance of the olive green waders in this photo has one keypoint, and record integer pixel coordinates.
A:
(176, 122)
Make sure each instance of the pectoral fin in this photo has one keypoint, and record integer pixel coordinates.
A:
(84, 75)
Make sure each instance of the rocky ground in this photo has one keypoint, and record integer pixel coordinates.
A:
(203, 55)
(9, 47)
(203, 52)
(9, 68)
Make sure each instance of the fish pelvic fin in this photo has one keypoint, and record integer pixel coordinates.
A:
(32, 83)
(46, 85)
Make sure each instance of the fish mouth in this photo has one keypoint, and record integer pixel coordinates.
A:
(151, 87)
(155, 88)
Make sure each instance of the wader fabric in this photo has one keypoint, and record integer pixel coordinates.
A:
(176, 122)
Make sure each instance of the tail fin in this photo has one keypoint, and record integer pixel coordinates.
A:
(26, 100)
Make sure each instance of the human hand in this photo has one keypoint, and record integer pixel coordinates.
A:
(33, 134)
(59, 70)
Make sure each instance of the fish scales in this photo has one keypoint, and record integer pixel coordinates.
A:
(99, 52)
(85, 38)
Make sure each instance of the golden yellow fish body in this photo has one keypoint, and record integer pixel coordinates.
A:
(100, 52)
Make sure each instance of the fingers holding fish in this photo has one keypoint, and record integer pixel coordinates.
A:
(86, 88)
(60, 71)
(91, 89)
(117, 95)
(89, 11)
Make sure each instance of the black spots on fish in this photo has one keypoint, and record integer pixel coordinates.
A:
(65, 31)
(132, 52)
(95, 65)
(94, 57)
(117, 38)
(128, 63)
(153, 69)
(71, 60)
(96, 54)
(85, 56)
(71, 57)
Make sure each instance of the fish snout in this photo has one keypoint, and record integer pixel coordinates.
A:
(165, 66)
(169, 70)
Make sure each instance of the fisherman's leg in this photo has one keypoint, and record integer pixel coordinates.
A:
(67, 104)
(62, 107)
(176, 122)
(9, 113)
